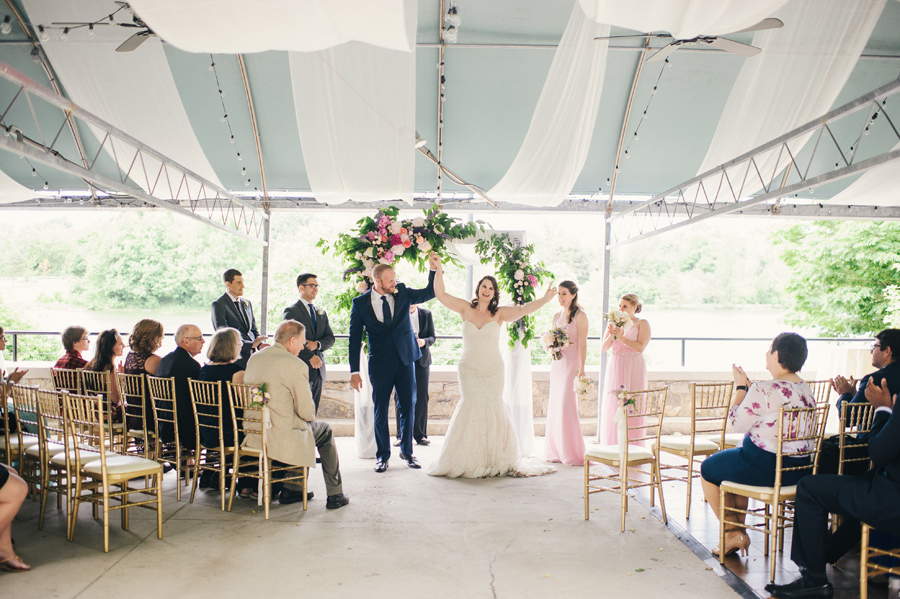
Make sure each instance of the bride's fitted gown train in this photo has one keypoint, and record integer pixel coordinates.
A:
(481, 440)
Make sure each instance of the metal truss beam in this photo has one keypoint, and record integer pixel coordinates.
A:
(149, 177)
(776, 168)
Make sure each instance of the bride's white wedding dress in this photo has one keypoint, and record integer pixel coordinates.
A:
(481, 440)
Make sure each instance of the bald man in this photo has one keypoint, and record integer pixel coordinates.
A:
(181, 365)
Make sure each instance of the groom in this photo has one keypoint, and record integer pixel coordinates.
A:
(383, 312)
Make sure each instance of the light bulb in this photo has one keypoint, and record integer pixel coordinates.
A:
(5, 26)
(654, 90)
(244, 171)
(645, 114)
(42, 34)
(33, 173)
(64, 35)
(232, 139)
(212, 65)
(46, 185)
(224, 118)
(239, 157)
(247, 183)
(91, 33)
(221, 93)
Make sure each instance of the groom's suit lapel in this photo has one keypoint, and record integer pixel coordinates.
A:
(368, 301)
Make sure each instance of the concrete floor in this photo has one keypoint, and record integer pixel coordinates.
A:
(404, 534)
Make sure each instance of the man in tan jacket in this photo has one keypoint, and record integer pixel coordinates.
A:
(295, 432)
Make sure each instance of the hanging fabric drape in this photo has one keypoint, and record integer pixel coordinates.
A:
(133, 91)
(239, 27)
(11, 191)
(684, 19)
(559, 137)
(356, 108)
(796, 77)
(877, 187)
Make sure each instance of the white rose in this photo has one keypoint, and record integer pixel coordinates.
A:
(424, 246)
(362, 287)
(398, 250)
(369, 264)
(521, 263)
(369, 252)
(368, 272)
(418, 222)
(519, 275)
(395, 227)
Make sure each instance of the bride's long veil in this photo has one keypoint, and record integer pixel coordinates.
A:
(517, 394)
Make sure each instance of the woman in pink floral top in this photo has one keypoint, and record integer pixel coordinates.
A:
(755, 412)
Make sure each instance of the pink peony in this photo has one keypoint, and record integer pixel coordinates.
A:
(370, 235)
(532, 279)
(388, 257)
(395, 240)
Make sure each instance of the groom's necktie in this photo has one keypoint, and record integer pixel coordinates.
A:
(312, 317)
(240, 309)
(385, 310)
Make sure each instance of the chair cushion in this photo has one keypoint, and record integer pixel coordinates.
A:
(52, 449)
(610, 453)
(786, 492)
(123, 464)
(683, 443)
(14, 441)
(86, 456)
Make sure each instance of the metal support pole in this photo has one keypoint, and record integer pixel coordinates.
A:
(264, 298)
(683, 351)
(604, 290)
(15, 348)
(470, 272)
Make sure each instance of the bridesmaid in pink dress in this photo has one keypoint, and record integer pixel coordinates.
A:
(625, 366)
(563, 439)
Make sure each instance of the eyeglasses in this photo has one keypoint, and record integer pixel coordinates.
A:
(313, 285)
(874, 347)
(200, 338)
(2, 337)
(85, 338)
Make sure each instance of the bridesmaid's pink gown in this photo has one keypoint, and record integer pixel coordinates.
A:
(563, 439)
(625, 367)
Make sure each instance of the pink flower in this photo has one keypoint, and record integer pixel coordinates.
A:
(388, 257)
(370, 235)
(532, 279)
(407, 243)
(395, 240)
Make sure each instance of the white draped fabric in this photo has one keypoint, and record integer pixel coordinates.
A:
(684, 19)
(559, 137)
(795, 78)
(364, 413)
(877, 187)
(133, 91)
(238, 26)
(356, 109)
(11, 191)
(518, 395)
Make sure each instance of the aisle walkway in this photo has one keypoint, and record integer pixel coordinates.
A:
(404, 534)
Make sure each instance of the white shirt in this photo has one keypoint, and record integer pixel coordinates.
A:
(414, 320)
(376, 304)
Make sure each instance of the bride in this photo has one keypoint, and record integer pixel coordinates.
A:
(480, 440)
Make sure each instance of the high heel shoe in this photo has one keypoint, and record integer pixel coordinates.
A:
(739, 542)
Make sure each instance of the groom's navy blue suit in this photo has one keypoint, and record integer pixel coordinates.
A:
(393, 351)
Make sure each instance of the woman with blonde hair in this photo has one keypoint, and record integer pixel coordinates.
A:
(625, 368)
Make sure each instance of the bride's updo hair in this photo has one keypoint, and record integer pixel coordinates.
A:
(634, 301)
(495, 301)
(573, 307)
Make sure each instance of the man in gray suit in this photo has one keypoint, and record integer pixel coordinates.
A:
(319, 337)
(295, 434)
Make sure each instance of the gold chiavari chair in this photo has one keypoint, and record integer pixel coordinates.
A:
(50, 431)
(99, 383)
(856, 419)
(26, 410)
(165, 408)
(206, 397)
(645, 419)
(870, 562)
(794, 425)
(709, 411)
(85, 417)
(10, 439)
(140, 437)
(251, 421)
(821, 390)
(67, 379)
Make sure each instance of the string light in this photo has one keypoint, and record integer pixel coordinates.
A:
(6, 26)
(451, 24)
(224, 118)
(644, 113)
(64, 36)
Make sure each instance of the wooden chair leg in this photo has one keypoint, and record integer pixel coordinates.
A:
(863, 561)
(587, 494)
(662, 499)
(690, 484)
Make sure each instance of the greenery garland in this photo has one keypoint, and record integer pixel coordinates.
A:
(387, 239)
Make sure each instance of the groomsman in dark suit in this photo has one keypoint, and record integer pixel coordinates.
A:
(423, 327)
(873, 498)
(319, 337)
(232, 310)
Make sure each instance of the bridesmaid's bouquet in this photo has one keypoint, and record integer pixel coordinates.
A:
(554, 340)
(583, 385)
(617, 318)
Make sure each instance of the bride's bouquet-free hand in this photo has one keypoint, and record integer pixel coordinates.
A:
(617, 318)
(554, 340)
(583, 386)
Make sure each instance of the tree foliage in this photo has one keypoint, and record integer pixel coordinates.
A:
(840, 273)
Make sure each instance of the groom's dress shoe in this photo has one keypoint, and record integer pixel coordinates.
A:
(802, 588)
(381, 465)
(411, 461)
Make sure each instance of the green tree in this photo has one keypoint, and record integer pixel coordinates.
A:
(30, 347)
(839, 274)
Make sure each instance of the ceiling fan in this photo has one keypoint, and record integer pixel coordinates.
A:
(708, 41)
(132, 43)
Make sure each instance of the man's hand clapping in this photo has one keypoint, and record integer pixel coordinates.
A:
(879, 395)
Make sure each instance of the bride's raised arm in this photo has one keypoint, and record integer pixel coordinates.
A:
(454, 303)
(514, 313)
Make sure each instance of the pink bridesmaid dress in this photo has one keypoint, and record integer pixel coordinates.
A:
(563, 439)
(624, 367)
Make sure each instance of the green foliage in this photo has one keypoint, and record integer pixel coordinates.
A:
(840, 273)
(30, 347)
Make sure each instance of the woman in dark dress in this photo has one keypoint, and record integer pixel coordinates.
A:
(224, 350)
(110, 348)
(146, 337)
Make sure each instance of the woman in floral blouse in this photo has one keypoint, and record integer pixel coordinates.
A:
(755, 412)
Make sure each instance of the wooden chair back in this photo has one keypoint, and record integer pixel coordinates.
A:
(856, 419)
(67, 379)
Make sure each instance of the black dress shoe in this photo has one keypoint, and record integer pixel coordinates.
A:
(804, 587)
(289, 496)
(381, 465)
(398, 442)
(423, 442)
(336, 501)
(411, 461)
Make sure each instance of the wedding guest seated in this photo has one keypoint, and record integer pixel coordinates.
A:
(146, 337)
(181, 365)
(75, 340)
(755, 412)
(13, 491)
(295, 434)
(224, 351)
(110, 348)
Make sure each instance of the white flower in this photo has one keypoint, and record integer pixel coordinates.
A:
(368, 271)
(362, 287)
(418, 222)
(424, 246)
(398, 250)
(369, 252)
(395, 227)
(519, 275)
(368, 264)
(520, 263)
(320, 312)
